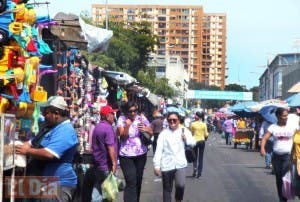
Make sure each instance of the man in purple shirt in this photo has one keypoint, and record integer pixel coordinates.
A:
(104, 146)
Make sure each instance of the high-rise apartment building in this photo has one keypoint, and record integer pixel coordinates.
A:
(198, 38)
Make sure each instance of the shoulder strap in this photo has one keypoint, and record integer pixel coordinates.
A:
(38, 138)
(182, 129)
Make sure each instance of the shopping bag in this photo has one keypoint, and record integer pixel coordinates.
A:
(287, 189)
(110, 187)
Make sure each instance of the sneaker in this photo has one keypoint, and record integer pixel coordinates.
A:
(199, 175)
(194, 174)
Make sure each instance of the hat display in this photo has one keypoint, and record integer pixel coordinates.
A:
(55, 101)
(106, 110)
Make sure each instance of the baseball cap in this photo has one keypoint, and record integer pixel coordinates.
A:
(106, 110)
(55, 101)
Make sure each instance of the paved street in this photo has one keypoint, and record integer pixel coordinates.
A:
(229, 174)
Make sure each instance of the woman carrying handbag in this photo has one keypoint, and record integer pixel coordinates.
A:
(169, 159)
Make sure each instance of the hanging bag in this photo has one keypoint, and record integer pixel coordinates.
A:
(190, 154)
(287, 188)
(110, 188)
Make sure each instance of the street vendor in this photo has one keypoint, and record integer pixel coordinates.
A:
(241, 123)
(53, 149)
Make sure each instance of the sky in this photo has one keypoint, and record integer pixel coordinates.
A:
(257, 30)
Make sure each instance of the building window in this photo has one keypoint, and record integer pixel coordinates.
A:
(161, 25)
(277, 84)
(160, 69)
(185, 11)
(130, 18)
(162, 11)
(162, 18)
(130, 11)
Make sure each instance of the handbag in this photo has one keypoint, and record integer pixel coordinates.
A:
(145, 138)
(190, 154)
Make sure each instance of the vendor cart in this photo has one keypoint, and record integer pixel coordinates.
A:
(243, 137)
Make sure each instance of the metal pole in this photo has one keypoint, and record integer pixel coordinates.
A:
(106, 15)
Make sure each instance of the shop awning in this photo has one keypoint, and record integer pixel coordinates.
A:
(154, 99)
(120, 78)
(295, 88)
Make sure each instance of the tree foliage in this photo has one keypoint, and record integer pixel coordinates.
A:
(128, 51)
(235, 87)
(255, 91)
(158, 86)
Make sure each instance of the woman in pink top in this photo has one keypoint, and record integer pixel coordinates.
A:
(132, 152)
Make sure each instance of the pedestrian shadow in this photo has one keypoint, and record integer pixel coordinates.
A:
(259, 167)
(248, 150)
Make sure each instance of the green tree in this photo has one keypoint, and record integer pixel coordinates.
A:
(163, 88)
(158, 86)
(255, 91)
(129, 48)
(235, 87)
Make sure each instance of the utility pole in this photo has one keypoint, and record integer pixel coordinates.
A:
(106, 15)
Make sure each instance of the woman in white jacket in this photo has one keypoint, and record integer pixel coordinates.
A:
(169, 159)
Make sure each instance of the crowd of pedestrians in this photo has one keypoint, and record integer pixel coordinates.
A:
(120, 140)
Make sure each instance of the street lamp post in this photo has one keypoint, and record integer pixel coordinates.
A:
(106, 15)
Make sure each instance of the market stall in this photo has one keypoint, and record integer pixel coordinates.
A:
(245, 137)
(21, 50)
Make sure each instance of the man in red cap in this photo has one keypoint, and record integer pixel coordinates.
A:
(104, 147)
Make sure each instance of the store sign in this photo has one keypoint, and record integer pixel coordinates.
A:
(219, 95)
(31, 187)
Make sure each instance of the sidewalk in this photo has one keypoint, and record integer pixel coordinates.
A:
(151, 186)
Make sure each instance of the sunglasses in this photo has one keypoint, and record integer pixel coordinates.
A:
(132, 111)
(172, 120)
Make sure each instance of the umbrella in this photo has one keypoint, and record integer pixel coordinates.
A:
(223, 109)
(295, 88)
(272, 102)
(175, 109)
(294, 100)
(243, 106)
(268, 113)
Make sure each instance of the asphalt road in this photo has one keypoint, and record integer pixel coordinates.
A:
(233, 175)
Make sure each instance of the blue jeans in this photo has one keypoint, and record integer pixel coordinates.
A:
(96, 195)
(99, 178)
(281, 165)
(269, 152)
(199, 151)
(228, 138)
(268, 158)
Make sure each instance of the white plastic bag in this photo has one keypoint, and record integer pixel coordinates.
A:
(96, 37)
(287, 189)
